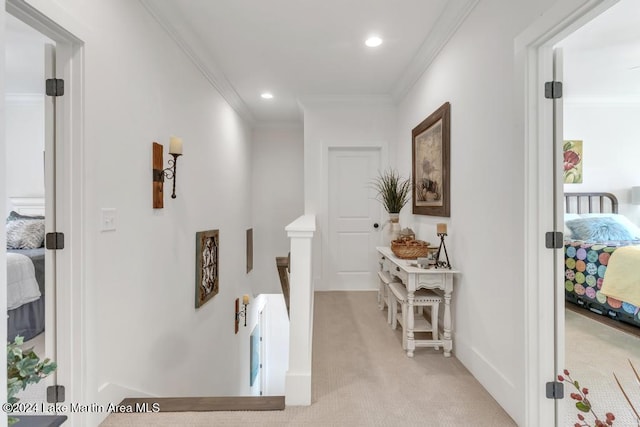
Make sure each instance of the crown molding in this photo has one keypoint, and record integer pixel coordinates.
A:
(201, 58)
(453, 15)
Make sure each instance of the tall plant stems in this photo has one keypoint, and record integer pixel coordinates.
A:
(393, 190)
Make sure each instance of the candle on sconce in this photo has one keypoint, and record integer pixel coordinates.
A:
(441, 228)
(175, 145)
(245, 299)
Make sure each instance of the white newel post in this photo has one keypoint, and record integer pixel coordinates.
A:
(298, 379)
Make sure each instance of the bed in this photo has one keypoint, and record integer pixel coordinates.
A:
(25, 269)
(594, 231)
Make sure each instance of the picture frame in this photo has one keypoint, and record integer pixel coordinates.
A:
(572, 161)
(207, 265)
(431, 156)
(249, 249)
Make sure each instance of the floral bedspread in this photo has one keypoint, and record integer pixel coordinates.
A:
(585, 267)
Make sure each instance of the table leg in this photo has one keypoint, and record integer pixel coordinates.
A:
(448, 344)
(411, 344)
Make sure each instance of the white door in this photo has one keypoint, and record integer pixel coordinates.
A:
(50, 211)
(354, 218)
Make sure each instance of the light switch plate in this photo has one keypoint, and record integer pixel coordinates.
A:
(108, 220)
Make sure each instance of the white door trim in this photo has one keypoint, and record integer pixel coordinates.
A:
(71, 299)
(533, 56)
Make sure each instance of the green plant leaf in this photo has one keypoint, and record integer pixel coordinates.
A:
(23, 368)
(582, 406)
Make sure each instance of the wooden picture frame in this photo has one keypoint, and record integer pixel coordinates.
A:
(249, 249)
(430, 155)
(207, 265)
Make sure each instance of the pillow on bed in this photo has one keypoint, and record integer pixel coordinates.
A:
(13, 215)
(25, 233)
(569, 217)
(598, 229)
(633, 229)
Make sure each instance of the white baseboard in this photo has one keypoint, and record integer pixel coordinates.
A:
(297, 389)
(114, 393)
(490, 376)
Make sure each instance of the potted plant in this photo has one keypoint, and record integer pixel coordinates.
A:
(393, 191)
(24, 367)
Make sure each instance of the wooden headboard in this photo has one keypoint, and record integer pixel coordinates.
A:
(590, 203)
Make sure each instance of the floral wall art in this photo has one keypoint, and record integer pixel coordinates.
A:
(572, 161)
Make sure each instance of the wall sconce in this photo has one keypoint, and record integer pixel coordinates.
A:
(441, 231)
(241, 312)
(635, 195)
(159, 174)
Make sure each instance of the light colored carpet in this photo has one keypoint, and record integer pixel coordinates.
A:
(362, 377)
(594, 352)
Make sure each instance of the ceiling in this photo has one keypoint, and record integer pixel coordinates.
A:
(602, 58)
(24, 58)
(298, 49)
(306, 49)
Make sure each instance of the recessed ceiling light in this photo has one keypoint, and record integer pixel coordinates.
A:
(373, 41)
(267, 95)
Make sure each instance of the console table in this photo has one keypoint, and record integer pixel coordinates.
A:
(415, 278)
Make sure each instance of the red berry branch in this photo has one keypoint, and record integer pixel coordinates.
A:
(584, 405)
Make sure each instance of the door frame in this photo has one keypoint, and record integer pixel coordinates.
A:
(534, 66)
(324, 216)
(70, 295)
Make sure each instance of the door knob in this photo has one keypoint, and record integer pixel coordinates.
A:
(376, 225)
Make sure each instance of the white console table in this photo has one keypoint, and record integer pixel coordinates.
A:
(415, 278)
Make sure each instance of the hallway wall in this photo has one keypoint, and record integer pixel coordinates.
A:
(141, 331)
(475, 72)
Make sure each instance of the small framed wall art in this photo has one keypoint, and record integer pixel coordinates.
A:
(249, 250)
(207, 265)
(572, 161)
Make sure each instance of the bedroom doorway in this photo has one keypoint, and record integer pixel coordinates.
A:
(30, 187)
(65, 205)
(600, 156)
(543, 206)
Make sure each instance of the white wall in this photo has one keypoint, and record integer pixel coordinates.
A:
(610, 135)
(24, 102)
(277, 197)
(25, 145)
(475, 73)
(141, 330)
(339, 122)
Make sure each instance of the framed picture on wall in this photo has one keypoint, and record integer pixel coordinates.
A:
(249, 250)
(572, 161)
(207, 272)
(431, 164)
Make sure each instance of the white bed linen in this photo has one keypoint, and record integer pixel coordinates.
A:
(22, 286)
